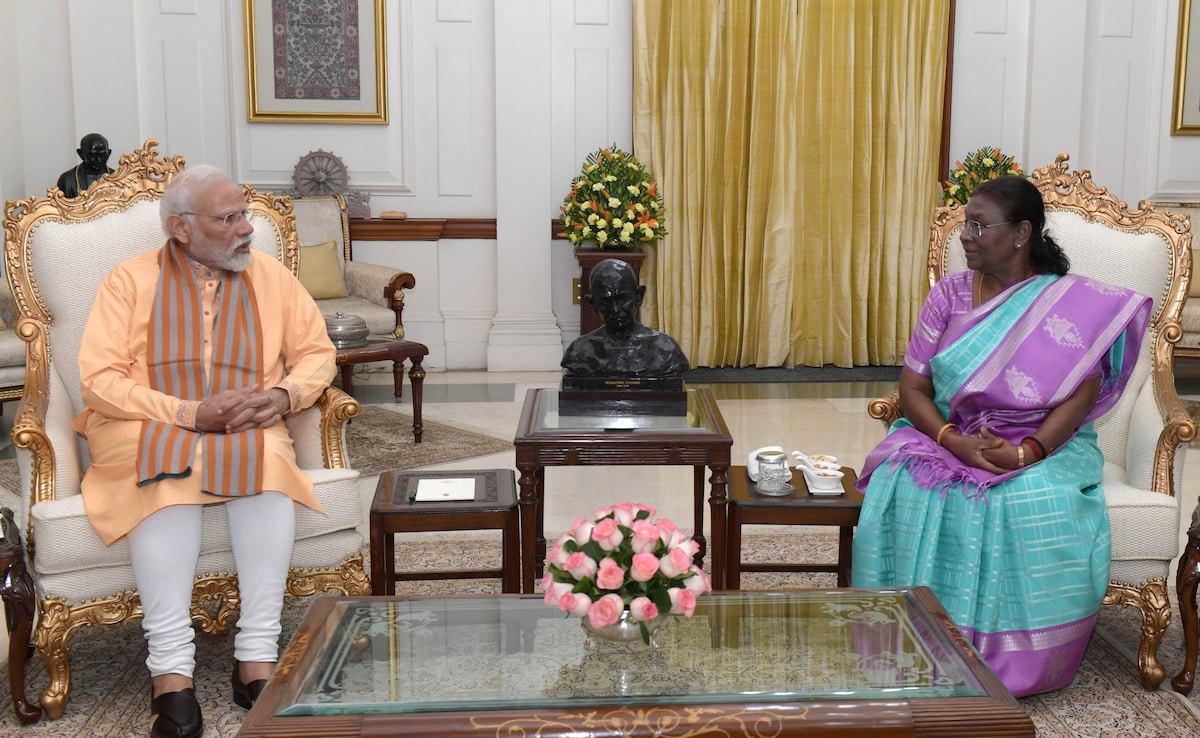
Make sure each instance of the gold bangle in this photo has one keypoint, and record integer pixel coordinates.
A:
(942, 431)
(1020, 455)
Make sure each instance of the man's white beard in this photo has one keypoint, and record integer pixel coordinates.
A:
(238, 262)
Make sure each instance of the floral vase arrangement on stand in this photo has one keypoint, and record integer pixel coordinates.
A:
(613, 203)
(978, 166)
(623, 573)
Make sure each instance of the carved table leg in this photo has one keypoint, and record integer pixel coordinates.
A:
(417, 375)
(16, 589)
(1185, 585)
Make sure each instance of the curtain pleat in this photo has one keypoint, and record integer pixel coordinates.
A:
(796, 144)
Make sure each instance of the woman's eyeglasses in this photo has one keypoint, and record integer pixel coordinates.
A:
(975, 228)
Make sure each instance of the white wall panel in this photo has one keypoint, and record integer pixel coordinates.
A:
(455, 119)
(376, 156)
(1174, 168)
(592, 104)
(12, 159)
(104, 70)
(1105, 148)
(453, 11)
(1056, 80)
(989, 97)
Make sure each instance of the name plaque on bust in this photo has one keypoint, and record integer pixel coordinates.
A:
(631, 384)
(622, 396)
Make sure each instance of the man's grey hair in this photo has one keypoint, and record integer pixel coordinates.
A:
(180, 195)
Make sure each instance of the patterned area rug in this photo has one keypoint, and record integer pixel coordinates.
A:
(377, 440)
(110, 688)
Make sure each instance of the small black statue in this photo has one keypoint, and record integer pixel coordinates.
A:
(622, 347)
(93, 150)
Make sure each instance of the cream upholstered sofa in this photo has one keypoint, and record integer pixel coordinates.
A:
(1144, 437)
(1189, 320)
(57, 251)
(12, 350)
(336, 281)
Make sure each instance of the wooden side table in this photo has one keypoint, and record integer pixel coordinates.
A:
(700, 439)
(382, 349)
(16, 589)
(800, 508)
(395, 511)
(1187, 576)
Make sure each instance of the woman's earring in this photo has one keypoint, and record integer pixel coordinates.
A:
(1018, 245)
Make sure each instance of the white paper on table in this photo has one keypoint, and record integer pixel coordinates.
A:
(444, 490)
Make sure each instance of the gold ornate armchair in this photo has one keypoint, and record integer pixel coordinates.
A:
(56, 252)
(1145, 436)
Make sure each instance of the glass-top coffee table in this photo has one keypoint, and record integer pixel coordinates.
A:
(747, 663)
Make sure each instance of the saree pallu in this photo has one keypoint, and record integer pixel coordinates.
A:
(1019, 560)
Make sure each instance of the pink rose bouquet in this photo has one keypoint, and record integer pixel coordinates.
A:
(620, 559)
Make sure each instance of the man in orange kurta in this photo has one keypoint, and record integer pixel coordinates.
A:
(139, 378)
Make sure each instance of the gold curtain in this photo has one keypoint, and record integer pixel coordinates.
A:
(796, 146)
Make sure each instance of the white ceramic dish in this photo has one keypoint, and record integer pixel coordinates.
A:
(815, 459)
(752, 460)
(823, 481)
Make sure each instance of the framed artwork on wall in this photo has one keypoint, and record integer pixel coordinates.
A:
(1187, 74)
(315, 61)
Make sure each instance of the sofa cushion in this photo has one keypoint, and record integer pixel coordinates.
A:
(1194, 285)
(321, 271)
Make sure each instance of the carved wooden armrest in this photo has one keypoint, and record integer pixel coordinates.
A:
(381, 285)
(886, 409)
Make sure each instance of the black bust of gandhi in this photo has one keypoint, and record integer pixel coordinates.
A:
(93, 150)
(622, 347)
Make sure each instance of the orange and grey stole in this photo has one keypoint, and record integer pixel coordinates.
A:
(175, 351)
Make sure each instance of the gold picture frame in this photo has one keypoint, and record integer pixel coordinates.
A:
(353, 86)
(1186, 119)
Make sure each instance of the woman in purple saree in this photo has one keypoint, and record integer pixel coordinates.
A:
(988, 490)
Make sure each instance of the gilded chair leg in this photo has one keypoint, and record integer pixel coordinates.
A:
(50, 636)
(1151, 601)
(1186, 580)
(1156, 616)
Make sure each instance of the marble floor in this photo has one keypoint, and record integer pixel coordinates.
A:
(813, 417)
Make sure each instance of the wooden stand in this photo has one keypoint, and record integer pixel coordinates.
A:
(16, 589)
(588, 258)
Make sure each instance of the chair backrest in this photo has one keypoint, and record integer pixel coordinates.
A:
(57, 251)
(321, 219)
(1145, 250)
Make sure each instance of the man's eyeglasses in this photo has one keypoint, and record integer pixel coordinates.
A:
(975, 228)
(228, 219)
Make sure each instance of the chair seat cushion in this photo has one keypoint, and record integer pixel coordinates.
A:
(381, 321)
(90, 570)
(1145, 524)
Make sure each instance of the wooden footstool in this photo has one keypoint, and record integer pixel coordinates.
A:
(395, 511)
(800, 508)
